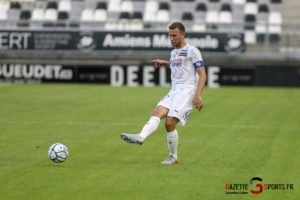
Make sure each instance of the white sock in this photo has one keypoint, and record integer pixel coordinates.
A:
(150, 127)
(172, 139)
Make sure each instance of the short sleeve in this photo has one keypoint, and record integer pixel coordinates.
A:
(196, 58)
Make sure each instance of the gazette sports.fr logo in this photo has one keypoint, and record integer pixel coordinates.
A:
(256, 186)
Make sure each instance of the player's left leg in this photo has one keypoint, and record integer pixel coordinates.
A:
(172, 139)
(179, 112)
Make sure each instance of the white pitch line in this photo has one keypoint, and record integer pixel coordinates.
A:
(70, 123)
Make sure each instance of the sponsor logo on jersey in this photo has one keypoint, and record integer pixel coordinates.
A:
(176, 62)
(183, 54)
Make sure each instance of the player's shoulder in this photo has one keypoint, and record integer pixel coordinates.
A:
(192, 48)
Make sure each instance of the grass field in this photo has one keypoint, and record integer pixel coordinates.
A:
(241, 133)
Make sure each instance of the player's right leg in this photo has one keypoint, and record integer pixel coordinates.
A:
(151, 126)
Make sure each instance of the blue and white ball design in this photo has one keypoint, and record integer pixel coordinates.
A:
(58, 152)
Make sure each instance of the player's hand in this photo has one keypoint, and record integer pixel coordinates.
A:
(198, 102)
(159, 62)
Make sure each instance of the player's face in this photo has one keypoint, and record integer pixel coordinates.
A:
(176, 38)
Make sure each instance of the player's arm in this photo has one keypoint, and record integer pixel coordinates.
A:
(201, 82)
(159, 63)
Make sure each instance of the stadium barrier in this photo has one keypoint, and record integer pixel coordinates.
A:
(146, 75)
(97, 41)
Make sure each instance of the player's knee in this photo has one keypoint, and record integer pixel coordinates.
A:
(160, 112)
(170, 125)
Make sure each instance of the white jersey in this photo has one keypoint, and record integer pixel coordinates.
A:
(183, 64)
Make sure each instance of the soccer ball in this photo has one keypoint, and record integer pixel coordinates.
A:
(58, 152)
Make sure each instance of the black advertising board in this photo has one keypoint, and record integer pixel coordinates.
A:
(146, 75)
(82, 41)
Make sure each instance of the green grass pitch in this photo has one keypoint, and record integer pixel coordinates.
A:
(241, 133)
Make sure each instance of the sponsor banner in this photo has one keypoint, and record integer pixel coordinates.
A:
(98, 41)
(146, 75)
(35, 73)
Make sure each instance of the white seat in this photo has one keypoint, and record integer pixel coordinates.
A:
(3, 14)
(150, 12)
(38, 14)
(251, 8)
(275, 18)
(225, 17)
(151, 6)
(51, 14)
(260, 28)
(4, 5)
(149, 17)
(126, 6)
(87, 15)
(113, 6)
(275, 28)
(199, 27)
(250, 37)
(64, 5)
(100, 15)
(212, 17)
(239, 1)
(163, 16)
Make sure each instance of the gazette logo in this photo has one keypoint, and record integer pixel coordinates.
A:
(256, 186)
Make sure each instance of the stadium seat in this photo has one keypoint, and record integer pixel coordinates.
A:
(4, 6)
(212, 17)
(251, 8)
(200, 13)
(201, 27)
(263, 14)
(124, 15)
(113, 6)
(126, 6)
(187, 16)
(250, 20)
(38, 14)
(3, 15)
(150, 13)
(225, 16)
(163, 16)
(101, 5)
(62, 15)
(64, 5)
(52, 4)
(87, 15)
(51, 14)
(275, 18)
(250, 37)
(137, 15)
(100, 15)
(25, 15)
(239, 1)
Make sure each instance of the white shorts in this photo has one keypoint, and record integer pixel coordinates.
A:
(180, 103)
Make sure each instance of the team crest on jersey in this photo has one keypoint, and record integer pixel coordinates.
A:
(187, 114)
